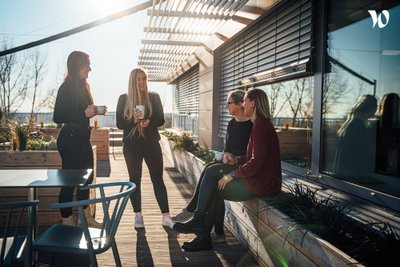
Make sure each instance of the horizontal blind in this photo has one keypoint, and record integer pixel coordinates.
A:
(187, 92)
(274, 42)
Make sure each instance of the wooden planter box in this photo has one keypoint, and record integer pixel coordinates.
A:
(262, 228)
(47, 196)
(100, 137)
(185, 162)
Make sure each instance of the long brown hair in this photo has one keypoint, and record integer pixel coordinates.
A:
(261, 103)
(136, 97)
(75, 62)
(364, 106)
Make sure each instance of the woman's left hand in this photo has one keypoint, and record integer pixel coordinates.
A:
(224, 181)
(144, 123)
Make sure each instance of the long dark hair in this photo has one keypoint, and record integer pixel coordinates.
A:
(75, 62)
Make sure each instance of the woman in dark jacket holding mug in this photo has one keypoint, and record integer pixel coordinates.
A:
(73, 109)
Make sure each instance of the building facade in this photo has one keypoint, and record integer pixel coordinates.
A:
(331, 71)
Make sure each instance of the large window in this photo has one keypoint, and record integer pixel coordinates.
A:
(360, 106)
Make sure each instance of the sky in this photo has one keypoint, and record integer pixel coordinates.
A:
(113, 47)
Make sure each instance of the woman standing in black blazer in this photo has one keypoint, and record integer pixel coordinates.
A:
(73, 109)
(141, 141)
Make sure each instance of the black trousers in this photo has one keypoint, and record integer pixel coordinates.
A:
(220, 214)
(73, 144)
(150, 151)
(210, 196)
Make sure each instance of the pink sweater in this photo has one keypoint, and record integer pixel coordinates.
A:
(262, 170)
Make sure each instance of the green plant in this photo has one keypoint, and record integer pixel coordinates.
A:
(22, 133)
(204, 154)
(184, 142)
(170, 135)
(374, 244)
(50, 126)
(322, 216)
(40, 144)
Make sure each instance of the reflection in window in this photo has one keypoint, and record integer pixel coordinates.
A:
(291, 108)
(361, 112)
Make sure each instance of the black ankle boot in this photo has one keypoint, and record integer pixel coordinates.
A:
(195, 225)
(200, 242)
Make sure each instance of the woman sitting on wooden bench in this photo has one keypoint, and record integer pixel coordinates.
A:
(259, 175)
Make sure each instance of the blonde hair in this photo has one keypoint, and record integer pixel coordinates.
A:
(261, 103)
(136, 97)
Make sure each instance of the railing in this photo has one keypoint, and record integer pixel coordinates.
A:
(108, 120)
(186, 123)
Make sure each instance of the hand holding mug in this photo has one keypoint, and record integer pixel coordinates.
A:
(229, 159)
(137, 115)
(141, 110)
(91, 111)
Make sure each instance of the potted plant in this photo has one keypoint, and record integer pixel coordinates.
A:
(188, 157)
(31, 150)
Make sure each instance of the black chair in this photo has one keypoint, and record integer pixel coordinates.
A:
(16, 232)
(84, 240)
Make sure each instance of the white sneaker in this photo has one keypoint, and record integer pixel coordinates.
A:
(167, 221)
(68, 221)
(139, 221)
(182, 216)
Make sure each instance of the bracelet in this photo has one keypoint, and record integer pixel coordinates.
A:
(233, 174)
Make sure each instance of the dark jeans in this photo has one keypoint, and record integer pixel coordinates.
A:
(191, 207)
(73, 144)
(210, 196)
(150, 151)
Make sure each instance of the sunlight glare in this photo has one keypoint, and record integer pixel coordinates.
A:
(102, 7)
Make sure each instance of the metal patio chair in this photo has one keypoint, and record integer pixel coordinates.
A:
(84, 240)
(16, 232)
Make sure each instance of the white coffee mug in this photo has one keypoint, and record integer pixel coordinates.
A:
(142, 109)
(101, 110)
(218, 155)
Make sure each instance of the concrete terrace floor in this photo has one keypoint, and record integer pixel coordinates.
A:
(157, 245)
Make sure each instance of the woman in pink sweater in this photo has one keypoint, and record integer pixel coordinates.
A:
(259, 175)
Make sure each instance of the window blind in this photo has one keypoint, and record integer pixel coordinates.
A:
(277, 46)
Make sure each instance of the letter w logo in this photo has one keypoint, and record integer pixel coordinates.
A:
(378, 19)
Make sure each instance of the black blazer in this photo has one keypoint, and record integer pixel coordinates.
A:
(156, 120)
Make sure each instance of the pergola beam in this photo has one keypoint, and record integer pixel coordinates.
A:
(170, 31)
(162, 51)
(168, 42)
(179, 14)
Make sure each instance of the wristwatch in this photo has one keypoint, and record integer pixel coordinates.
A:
(233, 174)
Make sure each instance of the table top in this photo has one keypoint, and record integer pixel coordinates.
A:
(43, 177)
